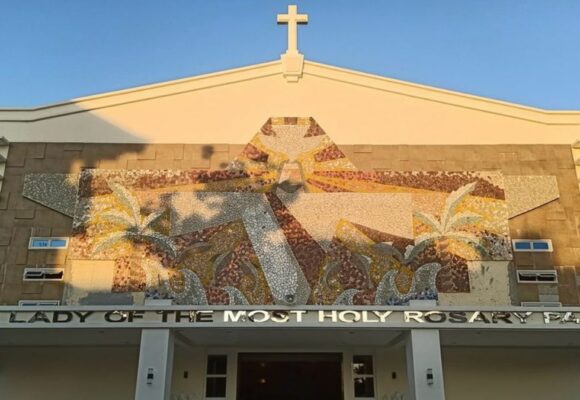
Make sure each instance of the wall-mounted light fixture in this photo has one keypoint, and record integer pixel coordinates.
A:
(150, 376)
(429, 376)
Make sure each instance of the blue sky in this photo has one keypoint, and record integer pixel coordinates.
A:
(523, 51)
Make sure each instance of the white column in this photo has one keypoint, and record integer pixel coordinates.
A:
(424, 366)
(155, 365)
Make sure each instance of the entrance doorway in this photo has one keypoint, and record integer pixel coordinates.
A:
(289, 376)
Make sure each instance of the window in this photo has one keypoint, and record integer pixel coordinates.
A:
(215, 381)
(363, 375)
(528, 245)
(39, 302)
(43, 274)
(44, 243)
(541, 304)
(537, 276)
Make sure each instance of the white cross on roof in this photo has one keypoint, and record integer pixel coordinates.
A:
(292, 19)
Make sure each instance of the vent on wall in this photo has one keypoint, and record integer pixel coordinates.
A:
(43, 274)
(537, 276)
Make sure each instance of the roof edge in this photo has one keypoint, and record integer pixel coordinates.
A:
(91, 102)
(311, 68)
(444, 96)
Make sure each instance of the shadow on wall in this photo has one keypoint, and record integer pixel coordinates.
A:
(537, 261)
(149, 242)
(269, 258)
(21, 218)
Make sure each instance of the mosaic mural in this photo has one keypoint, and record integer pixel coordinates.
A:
(290, 221)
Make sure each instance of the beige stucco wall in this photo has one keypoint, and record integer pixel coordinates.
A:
(389, 361)
(71, 373)
(508, 373)
(68, 373)
(499, 373)
(227, 107)
(88, 373)
(192, 361)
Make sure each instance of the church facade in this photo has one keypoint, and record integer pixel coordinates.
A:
(289, 229)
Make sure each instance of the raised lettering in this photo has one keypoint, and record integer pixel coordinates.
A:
(56, 316)
(234, 316)
(416, 316)
(349, 316)
(383, 315)
(133, 315)
(188, 316)
(204, 316)
(458, 317)
(551, 316)
(116, 316)
(280, 316)
(478, 316)
(14, 319)
(299, 314)
(252, 316)
(435, 317)
(39, 316)
(332, 315)
(164, 314)
(83, 315)
(501, 316)
(523, 317)
(570, 317)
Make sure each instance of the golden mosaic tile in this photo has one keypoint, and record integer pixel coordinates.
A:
(524, 193)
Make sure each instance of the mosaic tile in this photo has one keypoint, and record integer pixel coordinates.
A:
(422, 287)
(380, 272)
(288, 140)
(283, 273)
(254, 154)
(95, 182)
(184, 287)
(488, 183)
(329, 153)
(291, 178)
(383, 212)
(524, 193)
(55, 191)
(290, 221)
(314, 129)
(223, 256)
(129, 275)
(215, 266)
(193, 211)
(472, 226)
(308, 253)
(267, 128)
(116, 225)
